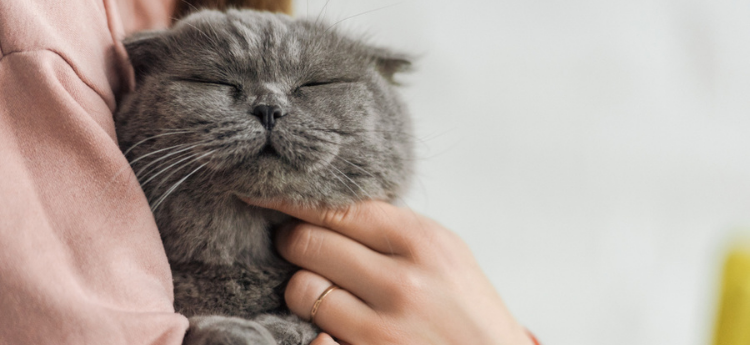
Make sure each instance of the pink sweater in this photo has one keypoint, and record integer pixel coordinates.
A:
(81, 261)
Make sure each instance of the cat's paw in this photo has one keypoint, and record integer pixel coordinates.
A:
(288, 329)
(222, 330)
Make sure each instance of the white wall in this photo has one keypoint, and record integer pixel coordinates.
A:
(594, 154)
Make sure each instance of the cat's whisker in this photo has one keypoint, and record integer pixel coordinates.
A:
(167, 168)
(436, 135)
(191, 6)
(342, 182)
(325, 141)
(350, 133)
(153, 137)
(157, 188)
(324, 9)
(355, 165)
(132, 163)
(112, 180)
(194, 145)
(369, 196)
(353, 182)
(177, 184)
(332, 130)
(124, 168)
(164, 162)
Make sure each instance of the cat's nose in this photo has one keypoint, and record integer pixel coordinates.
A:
(268, 115)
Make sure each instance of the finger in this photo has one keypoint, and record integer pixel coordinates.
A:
(339, 314)
(324, 339)
(378, 225)
(346, 262)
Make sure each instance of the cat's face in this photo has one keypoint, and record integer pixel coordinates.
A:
(262, 106)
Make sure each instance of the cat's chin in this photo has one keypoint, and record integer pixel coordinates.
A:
(268, 163)
(264, 199)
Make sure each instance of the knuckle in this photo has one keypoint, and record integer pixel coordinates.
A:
(331, 218)
(403, 286)
(411, 282)
(298, 290)
(302, 241)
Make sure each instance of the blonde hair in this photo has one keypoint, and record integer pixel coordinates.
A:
(185, 7)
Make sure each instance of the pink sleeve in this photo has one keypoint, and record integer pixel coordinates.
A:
(81, 261)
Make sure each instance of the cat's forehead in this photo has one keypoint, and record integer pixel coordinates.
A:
(258, 33)
(264, 41)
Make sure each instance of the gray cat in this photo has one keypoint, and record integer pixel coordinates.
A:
(256, 105)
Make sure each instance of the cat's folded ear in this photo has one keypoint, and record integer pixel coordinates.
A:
(389, 63)
(146, 51)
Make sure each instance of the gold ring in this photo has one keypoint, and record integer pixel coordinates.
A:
(320, 300)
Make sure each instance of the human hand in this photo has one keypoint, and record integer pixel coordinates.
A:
(403, 279)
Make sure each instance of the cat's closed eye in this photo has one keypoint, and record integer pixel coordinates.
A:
(210, 81)
(318, 83)
(322, 82)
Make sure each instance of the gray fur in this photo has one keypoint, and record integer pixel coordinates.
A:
(191, 138)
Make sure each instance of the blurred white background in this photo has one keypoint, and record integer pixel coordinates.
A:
(594, 154)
